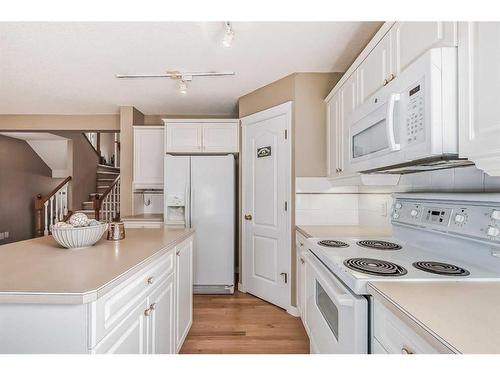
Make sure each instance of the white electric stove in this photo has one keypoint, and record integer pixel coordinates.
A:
(436, 237)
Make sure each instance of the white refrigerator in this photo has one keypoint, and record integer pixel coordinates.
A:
(200, 193)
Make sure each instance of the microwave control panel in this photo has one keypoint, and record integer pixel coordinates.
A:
(415, 119)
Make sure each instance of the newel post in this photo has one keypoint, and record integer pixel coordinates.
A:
(39, 216)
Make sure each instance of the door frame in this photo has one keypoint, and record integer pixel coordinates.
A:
(281, 109)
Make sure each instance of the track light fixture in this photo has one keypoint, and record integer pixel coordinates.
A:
(228, 35)
(183, 87)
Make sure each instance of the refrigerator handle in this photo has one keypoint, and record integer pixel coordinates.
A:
(186, 205)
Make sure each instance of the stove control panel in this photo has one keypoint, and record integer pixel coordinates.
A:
(480, 220)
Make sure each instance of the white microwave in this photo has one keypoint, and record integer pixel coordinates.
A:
(411, 124)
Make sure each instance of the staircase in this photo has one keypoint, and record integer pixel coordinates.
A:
(106, 175)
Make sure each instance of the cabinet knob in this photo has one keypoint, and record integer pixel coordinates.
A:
(301, 244)
(147, 312)
(248, 217)
(391, 77)
(178, 253)
(302, 260)
(152, 306)
(406, 351)
(150, 280)
(385, 82)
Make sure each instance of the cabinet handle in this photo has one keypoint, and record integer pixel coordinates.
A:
(150, 280)
(147, 312)
(385, 82)
(285, 276)
(178, 253)
(302, 260)
(301, 244)
(406, 351)
(391, 77)
(152, 306)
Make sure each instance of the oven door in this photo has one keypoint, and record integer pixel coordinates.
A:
(337, 318)
(374, 133)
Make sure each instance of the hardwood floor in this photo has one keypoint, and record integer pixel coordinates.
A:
(242, 323)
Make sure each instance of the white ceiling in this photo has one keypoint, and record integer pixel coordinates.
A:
(69, 68)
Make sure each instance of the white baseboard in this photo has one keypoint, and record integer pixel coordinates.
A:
(294, 311)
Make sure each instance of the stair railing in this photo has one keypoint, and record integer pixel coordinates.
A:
(107, 204)
(51, 208)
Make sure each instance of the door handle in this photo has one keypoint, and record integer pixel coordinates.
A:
(393, 146)
(285, 275)
(248, 217)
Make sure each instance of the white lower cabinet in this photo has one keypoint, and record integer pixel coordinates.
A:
(130, 337)
(301, 278)
(391, 335)
(184, 296)
(161, 318)
(161, 313)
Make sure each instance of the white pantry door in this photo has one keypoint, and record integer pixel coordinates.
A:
(266, 204)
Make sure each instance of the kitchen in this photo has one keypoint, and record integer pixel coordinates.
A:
(353, 210)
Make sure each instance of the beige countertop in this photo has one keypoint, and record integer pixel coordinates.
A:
(463, 316)
(41, 271)
(144, 217)
(343, 231)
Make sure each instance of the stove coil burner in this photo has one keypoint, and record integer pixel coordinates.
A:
(379, 245)
(332, 243)
(441, 268)
(375, 267)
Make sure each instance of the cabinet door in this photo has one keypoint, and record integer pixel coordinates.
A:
(161, 318)
(479, 81)
(412, 39)
(348, 103)
(148, 157)
(129, 337)
(374, 71)
(184, 288)
(220, 137)
(184, 137)
(333, 121)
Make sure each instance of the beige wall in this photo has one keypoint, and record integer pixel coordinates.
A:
(129, 116)
(60, 122)
(310, 122)
(23, 175)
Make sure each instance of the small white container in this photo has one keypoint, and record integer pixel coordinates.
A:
(77, 237)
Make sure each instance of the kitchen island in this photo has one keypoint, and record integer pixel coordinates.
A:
(128, 296)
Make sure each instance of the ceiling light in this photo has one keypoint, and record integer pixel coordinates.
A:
(183, 87)
(228, 35)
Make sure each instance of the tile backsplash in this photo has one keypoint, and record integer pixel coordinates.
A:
(318, 202)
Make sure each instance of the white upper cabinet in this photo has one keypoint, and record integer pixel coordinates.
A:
(374, 72)
(184, 137)
(333, 119)
(479, 82)
(220, 137)
(412, 39)
(148, 157)
(202, 136)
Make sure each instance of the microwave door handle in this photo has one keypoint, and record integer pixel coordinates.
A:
(393, 146)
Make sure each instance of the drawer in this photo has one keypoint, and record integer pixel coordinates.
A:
(111, 308)
(300, 241)
(395, 336)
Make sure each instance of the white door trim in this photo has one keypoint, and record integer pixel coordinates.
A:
(282, 109)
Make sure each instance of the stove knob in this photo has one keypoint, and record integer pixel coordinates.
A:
(398, 205)
(495, 215)
(395, 215)
(414, 213)
(493, 231)
(459, 218)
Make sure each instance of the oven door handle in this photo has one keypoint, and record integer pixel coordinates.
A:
(336, 291)
(393, 98)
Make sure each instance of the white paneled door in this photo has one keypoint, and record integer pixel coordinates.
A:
(266, 204)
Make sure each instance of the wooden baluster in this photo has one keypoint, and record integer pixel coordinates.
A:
(65, 198)
(51, 217)
(39, 216)
(46, 214)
